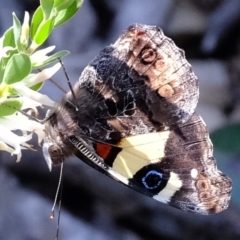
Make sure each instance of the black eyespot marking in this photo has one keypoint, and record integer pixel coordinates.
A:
(152, 178)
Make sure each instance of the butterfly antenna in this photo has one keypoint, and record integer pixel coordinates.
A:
(59, 213)
(22, 112)
(59, 188)
(56, 84)
(48, 115)
(70, 85)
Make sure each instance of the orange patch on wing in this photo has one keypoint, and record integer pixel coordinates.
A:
(103, 150)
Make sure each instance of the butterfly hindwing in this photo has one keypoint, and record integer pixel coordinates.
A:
(174, 167)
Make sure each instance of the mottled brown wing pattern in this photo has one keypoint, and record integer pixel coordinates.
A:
(189, 153)
(136, 123)
(124, 82)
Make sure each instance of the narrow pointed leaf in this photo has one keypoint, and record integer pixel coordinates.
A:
(66, 14)
(17, 30)
(47, 7)
(62, 4)
(43, 31)
(36, 21)
(51, 59)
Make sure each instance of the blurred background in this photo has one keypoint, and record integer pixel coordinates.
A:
(94, 206)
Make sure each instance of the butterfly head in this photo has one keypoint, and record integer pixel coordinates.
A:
(52, 153)
(55, 147)
(52, 146)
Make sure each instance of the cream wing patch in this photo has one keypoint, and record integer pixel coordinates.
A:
(173, 185)
(139, 151)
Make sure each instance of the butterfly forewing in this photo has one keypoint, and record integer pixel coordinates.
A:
(136, 123)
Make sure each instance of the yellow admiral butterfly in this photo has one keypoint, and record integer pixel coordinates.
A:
(132, 117)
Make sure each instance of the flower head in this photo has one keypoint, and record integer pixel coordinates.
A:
(28, 99)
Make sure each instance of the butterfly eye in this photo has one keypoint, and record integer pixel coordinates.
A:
(152, 179)
(55, 153)
(54, 150)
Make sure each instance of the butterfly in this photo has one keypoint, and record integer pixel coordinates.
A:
(131, 115)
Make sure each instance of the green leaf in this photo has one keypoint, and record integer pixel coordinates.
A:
(18, 67)
(36, 21)
(37, 87)
(17, 30)
(227, 139)
(62, 4)
(8, 41)
(47, 7)
(9, 38)
(10, 54)
(51, 59)
(10, 106)
(2, 70)
(66, 14)
(43, 31)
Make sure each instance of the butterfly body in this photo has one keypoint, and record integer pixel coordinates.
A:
(134, 119)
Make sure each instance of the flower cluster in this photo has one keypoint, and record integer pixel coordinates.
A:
(20, 96)
(20, 78)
